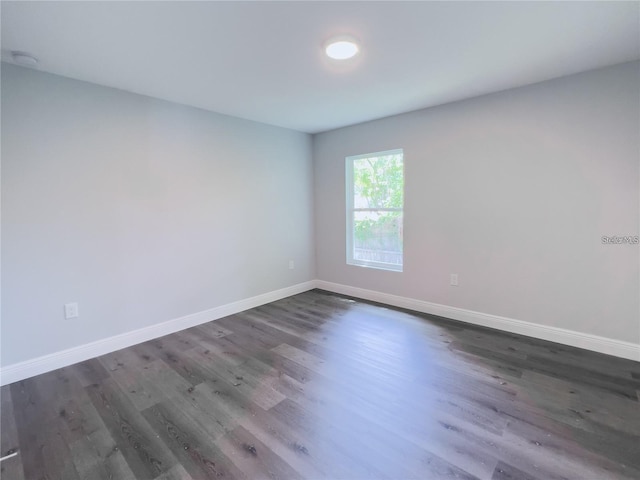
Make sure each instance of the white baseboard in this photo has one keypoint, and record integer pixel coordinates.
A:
(609, 346)
(20, 371)
(46, 363)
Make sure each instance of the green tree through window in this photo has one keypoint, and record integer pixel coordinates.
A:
(375, 198)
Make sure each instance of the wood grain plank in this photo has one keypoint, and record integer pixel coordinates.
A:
(254, 458)
(193, 447)
(98, 457)
(9, 442)
(42, 434)
(146, 455)
(153, 383)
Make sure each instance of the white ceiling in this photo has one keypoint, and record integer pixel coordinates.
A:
(264, 60)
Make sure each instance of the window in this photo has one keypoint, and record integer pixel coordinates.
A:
(375, 199)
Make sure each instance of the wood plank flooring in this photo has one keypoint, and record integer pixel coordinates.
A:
(320, 386)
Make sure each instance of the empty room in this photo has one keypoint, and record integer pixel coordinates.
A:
(320, 240)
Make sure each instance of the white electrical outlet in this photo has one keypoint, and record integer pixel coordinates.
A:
(291, 265)
(70, 310)
(454, 279)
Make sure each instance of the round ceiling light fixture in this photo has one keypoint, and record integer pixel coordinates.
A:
(341, 48)
(22, 58)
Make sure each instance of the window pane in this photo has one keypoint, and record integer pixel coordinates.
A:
(377, 237)
(378, 182)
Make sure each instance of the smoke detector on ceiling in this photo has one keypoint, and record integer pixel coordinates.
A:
(24, 59)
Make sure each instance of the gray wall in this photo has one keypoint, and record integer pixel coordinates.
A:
(144, 211)
(140, 210)
(513, 192)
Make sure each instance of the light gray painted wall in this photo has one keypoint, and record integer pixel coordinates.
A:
(513, 191)
(140, 210)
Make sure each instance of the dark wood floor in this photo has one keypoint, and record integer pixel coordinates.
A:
(320, 386)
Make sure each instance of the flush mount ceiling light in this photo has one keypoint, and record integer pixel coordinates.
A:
(22, 58)
(341, 48)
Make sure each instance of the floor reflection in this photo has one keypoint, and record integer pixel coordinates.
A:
(372, 384)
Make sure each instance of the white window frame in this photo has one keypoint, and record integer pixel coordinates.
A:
(350, 210)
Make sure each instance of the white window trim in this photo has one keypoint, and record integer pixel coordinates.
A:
(350, 210)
